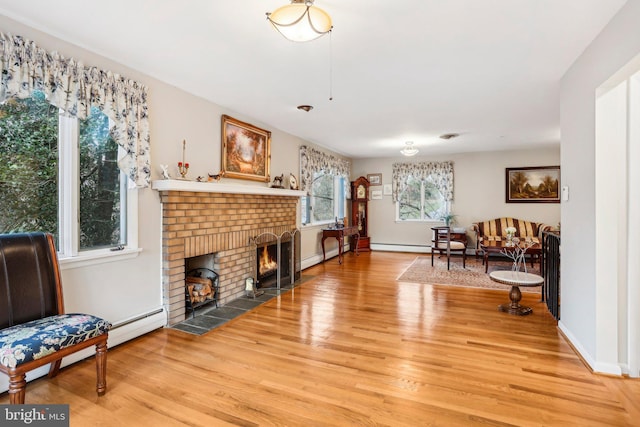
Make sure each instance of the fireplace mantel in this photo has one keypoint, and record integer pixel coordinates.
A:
(219, 219)
(217, 187)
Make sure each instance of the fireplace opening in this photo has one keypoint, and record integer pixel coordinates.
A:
(267, 264)
(202, 283)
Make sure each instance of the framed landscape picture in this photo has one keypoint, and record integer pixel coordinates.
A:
(246, 150)
(539, 184)
(374, 178)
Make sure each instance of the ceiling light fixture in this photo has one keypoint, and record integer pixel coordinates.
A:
(300, 21)
(409, 150)
(306, 108)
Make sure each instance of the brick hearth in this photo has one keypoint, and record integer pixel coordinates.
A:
(202, 221)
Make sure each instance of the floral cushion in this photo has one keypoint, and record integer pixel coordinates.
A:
(32, 340)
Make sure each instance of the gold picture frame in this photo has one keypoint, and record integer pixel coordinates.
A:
(539, 184)
(246, 150)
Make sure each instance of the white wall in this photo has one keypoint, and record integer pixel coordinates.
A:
(479, 193)
(122, 290)
(585, 318)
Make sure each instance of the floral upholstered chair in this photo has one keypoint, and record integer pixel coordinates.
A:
(34, 331)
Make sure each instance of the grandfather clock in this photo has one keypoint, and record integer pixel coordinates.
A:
(360, 212)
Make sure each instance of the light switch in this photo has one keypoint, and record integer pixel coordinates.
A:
(565, 193)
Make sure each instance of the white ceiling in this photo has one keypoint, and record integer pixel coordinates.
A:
(402, 70)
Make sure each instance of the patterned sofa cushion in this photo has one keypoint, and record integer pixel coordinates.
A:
(32, 340)
(495, 229)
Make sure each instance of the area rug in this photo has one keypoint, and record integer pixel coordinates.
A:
(473, 276)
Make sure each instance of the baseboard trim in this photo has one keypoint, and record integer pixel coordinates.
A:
(420, 249)
(317, 259)
(597, 367)
(122, 331)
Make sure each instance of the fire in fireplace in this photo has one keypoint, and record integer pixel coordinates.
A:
(267, 264)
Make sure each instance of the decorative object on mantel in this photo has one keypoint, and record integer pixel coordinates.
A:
(293, 182)
(183, 166)
(246, 150)
(215, 178)
(277, 181)
(165, 171)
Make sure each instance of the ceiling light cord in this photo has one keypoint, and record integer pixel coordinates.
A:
(331, 64)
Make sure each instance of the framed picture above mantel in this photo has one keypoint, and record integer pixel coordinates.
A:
(537, 184)
(246, 150)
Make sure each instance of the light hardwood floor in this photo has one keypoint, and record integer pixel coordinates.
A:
(353, 347)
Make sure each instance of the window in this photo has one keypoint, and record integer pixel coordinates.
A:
(60, 175)
(327, 199)
(420, 201)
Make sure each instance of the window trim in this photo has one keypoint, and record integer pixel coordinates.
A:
(69, 252)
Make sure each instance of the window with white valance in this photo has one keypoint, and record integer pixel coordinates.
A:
(422, 191)
(74, 144)
(75, 88)
(325, 180)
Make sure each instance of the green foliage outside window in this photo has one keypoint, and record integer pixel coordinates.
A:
(322, 193)
(421, 201)
(28, 165)
(29, 168)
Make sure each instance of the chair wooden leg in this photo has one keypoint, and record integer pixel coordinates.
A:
(55, 368)
(17, 386)
(101, 368)
(432, 257)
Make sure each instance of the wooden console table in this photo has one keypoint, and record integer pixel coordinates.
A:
(339, 234)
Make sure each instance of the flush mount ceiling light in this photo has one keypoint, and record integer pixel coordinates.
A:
(300, 21)
(306, 108)
(409, 150)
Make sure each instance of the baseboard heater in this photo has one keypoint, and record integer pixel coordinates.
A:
(135, 319)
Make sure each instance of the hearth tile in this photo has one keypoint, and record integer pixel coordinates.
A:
(245, 303)
(185, 327)
(207, 322)
(226, 312)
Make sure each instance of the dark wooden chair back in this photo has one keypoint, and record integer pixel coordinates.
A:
(30, 286)
(32, 317)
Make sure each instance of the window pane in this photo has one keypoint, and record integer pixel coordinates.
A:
(100, 184)
(434, 204)
(322, 197)
(340, 198)
(410, 200)
(29, 165)
(305, 216)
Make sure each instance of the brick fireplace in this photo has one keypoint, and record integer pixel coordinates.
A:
(213, 218)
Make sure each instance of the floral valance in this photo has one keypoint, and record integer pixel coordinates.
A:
(314, 161)
(440, 173)
(74, 88)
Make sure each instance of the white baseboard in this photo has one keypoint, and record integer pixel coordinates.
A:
(121, 332)
(317, 259)
(386, 247)
(599, 367)
(420, 249)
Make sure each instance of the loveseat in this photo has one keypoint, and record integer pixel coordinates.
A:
(495, 229)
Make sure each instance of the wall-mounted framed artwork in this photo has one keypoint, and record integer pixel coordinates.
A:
(374, 178)
(537, 184)
(246, 150)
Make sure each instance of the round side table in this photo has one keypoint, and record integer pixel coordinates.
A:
(515, 279)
